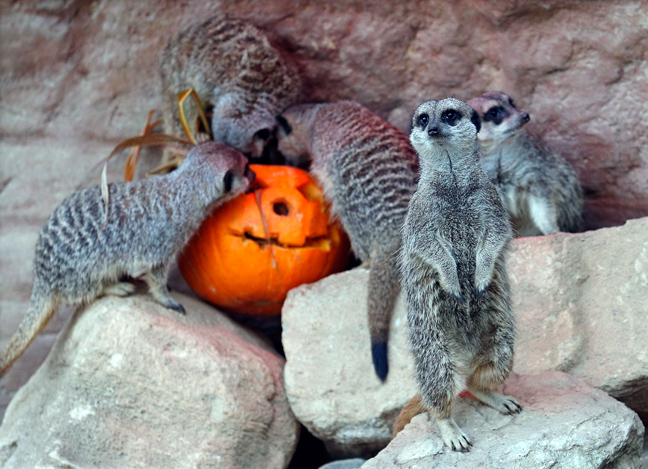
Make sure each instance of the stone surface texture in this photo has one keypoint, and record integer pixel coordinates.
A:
(580, 301)
(77, 77)
(565, 424)
(131, 384)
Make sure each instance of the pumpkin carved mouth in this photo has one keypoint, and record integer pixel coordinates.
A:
(246, 263)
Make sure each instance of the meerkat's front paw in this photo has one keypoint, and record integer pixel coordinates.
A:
(453, 437)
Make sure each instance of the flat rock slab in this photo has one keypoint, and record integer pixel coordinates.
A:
(131, 384)
(580, 301)
(565, 423)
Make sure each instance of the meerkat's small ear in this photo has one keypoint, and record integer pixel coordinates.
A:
(284, 126)
(476, 120)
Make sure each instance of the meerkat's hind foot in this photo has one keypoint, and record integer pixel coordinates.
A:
(118, 289)
(504, 404)
(380, 362)
(453, 436)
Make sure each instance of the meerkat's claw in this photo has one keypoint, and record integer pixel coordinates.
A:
(513, 406)
(480, 292)
(174, 305)
(504, 404)
(453, 437)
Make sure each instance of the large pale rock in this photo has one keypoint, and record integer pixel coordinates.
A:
(581, 307)
(330, 381)
(565, 424)
(131, 384)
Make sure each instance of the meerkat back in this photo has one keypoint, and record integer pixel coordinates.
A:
(237, 73)
(367, 170)
(539, 188)
(83, 250)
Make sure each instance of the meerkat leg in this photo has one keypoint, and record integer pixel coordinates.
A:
(118, 289)
(156, 281)
(438, 378)
(544, 214)
(480, 385)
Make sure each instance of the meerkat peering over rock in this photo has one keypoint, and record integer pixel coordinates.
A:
(78, 258)
(236, 72)
(367, 170)
(538, 187)
(455, 236)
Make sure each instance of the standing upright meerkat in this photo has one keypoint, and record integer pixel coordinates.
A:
(455, 237)
(367, 170)
(237, 73)
(81, 254)
(538, 187)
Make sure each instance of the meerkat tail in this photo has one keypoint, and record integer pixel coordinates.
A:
(411, 410)
(37, 317)
(383, 290)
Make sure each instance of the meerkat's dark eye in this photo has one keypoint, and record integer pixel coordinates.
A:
(263, 134)
(451, 117)
(423, 120)
(511, 102)
(228, 180)
(495, 114)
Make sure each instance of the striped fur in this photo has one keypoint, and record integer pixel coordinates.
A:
(149, 221)
(367, 170)
(237, 71)
(539, 188)
(453, 263)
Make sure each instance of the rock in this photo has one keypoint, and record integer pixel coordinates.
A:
(580, 304)
(565, 423)
(330, 381)
(131, 384)
(354, 463)
(580, 301)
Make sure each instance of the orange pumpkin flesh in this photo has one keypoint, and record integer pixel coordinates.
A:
(232, 263)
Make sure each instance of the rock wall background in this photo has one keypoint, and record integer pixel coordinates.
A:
(76, 77)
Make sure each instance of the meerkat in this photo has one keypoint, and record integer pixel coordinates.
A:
(237, 73)
(455, 237)
(538, 187)
(367, 170)
(78, 258)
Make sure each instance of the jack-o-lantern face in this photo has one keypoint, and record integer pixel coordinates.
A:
(242, 264)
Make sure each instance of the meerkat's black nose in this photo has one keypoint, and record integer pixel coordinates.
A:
(526, 117)
(433, 132)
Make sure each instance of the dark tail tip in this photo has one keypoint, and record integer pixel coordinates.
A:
(379, 355)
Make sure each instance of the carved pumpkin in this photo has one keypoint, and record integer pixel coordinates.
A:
(233, 262)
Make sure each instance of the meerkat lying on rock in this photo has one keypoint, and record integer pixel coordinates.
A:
(79, 258)
(367, 170)
(538, 187)
(455, 237)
